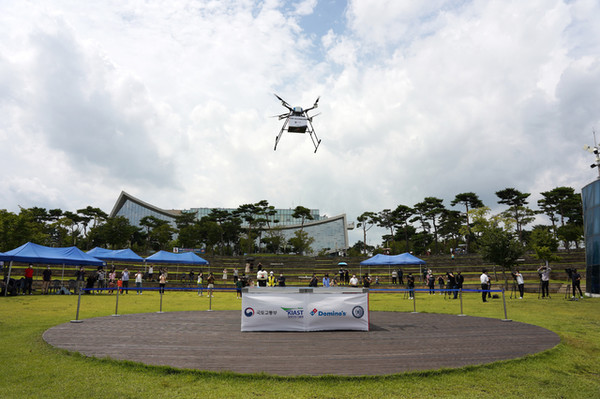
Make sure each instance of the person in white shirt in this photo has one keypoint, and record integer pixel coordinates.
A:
(138, 282)
(354, 281)
(125, 280)
(261, 277)
(520, 283)
(485, 284)
(544, 272)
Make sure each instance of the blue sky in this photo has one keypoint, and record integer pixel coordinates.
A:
(170, 101)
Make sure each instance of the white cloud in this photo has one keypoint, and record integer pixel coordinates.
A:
(171, 101)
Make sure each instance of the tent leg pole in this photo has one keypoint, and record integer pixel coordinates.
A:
(8, 278)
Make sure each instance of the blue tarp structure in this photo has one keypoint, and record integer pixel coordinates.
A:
(119, 255)
(402, 259)
(186, 258)
(34, 253)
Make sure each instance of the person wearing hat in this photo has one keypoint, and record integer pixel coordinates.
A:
(271, 280)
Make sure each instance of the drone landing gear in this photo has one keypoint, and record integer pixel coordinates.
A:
(310, 130)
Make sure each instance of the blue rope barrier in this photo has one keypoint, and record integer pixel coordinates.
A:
(228, 289)
(152, 289)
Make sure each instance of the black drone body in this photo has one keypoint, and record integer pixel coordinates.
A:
(297, 120)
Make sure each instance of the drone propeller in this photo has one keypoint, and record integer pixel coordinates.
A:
(316, 104)
(311, 118)
(283, 102)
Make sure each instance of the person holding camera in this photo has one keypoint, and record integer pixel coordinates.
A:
(576, 278)
(520, 283)
(544, 272)
(452, 283)
(460, 280)
(410, 283)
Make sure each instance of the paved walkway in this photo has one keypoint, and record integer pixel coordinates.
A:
(397, 342)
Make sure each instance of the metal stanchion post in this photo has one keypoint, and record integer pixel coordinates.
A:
(161, 294)
(504, 303)
(210, 301)
(414, 301)
(117, 304)
(77, 314)
(461, 303)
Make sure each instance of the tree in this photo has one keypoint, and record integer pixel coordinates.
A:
(302, 213)
(301, 242)
(517, 208)
(161, 236)
(367, 220)
(570, 233)
(542, 236)
(469, 200)
(185, 219)
(499, 247)
(159, 233)
(248, 213)
(402, 214)
(89, 214)
(450, 226)
(387, 219)
(545, 254)
(275, 241)
(265, 217)
(561, 204)
(115, 233)
(430, 210)
(71, 221)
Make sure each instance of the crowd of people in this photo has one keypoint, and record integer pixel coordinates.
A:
(449, 283)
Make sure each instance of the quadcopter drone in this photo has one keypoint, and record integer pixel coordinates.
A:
(297, 121)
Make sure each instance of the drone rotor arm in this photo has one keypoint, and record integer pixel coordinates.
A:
(283, 102)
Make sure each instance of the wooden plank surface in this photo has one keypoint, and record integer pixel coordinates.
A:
(397, 342)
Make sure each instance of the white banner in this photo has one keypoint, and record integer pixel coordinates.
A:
(304, 311)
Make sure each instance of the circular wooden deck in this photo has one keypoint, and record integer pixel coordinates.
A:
(397, 342)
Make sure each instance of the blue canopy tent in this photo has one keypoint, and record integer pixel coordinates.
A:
(392, 260)
(185, 258)
(34, 253)
(120, 255)
(402, 259)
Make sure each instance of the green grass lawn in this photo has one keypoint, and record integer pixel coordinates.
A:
(31, 368)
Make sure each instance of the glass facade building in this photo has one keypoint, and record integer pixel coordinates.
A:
(591, 228)
(283, 217)
(329, 233)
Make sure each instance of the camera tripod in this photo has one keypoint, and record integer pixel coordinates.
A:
(408, 291)
(513, 291)
(568, 291)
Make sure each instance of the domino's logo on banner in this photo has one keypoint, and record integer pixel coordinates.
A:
(333, 313)
(249, 312)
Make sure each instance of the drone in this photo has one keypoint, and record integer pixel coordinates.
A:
(297, 121)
